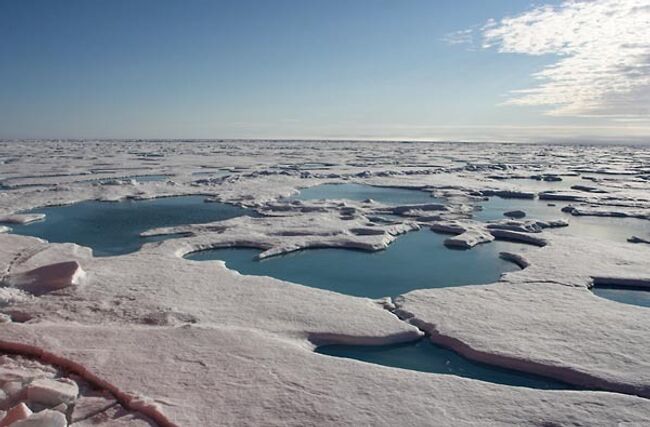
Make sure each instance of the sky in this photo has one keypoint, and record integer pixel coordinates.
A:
(498, 70)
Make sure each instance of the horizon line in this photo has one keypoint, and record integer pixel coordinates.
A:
(556, 141)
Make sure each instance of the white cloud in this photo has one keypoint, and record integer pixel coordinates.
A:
(603, 47)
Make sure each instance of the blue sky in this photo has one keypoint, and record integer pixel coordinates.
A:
(278, 69)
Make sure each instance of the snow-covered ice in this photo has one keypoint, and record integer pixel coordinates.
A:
(152, 338)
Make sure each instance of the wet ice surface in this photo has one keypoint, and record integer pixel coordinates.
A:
(360, 192)
(414, 261)
(607, 228)
(425, 356)
(113, 228)
(632, 296)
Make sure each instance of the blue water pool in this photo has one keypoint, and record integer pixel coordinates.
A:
(540, 185)
(114, 228)
(495, 207)
(151, 178)
(213, 173)
(626, 296)
(414, 261)
(605, 228)
(361, 192)
(425, 356)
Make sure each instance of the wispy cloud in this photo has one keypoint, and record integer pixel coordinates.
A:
(459, 37)
(603, 47)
